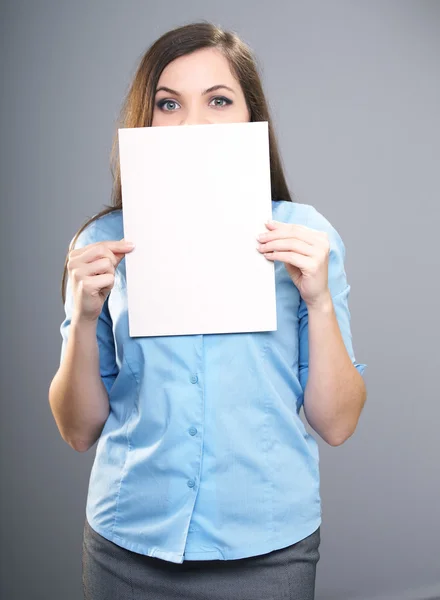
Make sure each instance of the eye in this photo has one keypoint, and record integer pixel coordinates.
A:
(222, 99)
(162, 103)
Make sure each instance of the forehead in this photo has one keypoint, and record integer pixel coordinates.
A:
(203, 67)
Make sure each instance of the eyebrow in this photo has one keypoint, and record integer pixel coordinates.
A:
(211, 89)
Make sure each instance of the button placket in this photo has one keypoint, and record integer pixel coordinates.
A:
(192, 430)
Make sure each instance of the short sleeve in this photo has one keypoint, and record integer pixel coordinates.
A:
(340, 292)
(104, 329)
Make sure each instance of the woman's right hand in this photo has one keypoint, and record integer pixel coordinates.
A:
(92, 273)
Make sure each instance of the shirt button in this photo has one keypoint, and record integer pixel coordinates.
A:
(191, 483)
(192, 431)
(194, 379)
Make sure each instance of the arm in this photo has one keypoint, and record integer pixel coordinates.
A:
(332, 380)
(335, 392)
(77, 395)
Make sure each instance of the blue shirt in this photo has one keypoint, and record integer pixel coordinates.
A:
(203, 455)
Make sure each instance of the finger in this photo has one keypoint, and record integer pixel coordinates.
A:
(114, 250)
(98, 267)
(288, 244)
(99, 283)
(115, 246)
(297, 260)
(272, 225)
(300, 232)
(90, 254)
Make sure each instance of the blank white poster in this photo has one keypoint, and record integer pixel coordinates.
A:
(194, 200)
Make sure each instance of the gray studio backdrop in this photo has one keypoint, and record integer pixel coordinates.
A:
(355, 94)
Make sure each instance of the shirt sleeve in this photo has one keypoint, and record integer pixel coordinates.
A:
(340, 291)
(104, 329)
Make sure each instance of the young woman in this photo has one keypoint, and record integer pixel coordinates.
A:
(205, 482)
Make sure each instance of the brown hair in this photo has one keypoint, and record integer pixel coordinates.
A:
(138, 106)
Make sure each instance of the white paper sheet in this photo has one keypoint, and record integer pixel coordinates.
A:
(194, 199)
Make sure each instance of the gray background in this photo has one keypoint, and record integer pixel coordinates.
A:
(355, 94)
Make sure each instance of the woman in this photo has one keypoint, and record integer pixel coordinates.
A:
(205, 482)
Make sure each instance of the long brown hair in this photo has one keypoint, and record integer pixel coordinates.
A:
(137, 108)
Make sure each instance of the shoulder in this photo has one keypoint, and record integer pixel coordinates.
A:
(106, 227)
(290, 212)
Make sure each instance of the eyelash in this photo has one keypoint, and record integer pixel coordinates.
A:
(161, 103)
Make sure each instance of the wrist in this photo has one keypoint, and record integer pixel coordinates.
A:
(81, 323)
(324, 304)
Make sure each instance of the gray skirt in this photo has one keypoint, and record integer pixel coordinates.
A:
(110, 572)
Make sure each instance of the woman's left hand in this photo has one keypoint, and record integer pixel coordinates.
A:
(305, 254)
